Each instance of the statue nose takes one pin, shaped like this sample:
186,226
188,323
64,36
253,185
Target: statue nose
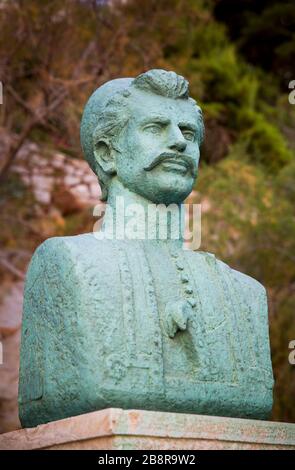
177,141
178,145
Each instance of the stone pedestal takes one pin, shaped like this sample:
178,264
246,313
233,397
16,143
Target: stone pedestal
117,429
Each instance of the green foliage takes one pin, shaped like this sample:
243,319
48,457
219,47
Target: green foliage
263,31
265,143
285,183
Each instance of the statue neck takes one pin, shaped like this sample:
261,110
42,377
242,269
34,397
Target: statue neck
133,217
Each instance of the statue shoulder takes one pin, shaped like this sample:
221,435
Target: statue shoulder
60,245
71,246
248,282
243,283
244,280
246,285
67,257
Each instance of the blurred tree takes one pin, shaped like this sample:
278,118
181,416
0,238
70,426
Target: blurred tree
264,31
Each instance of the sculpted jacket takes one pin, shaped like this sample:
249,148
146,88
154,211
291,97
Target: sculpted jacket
139,324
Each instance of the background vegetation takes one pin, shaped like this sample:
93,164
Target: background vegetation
239,58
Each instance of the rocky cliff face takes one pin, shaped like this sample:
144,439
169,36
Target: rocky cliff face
56,179
10,326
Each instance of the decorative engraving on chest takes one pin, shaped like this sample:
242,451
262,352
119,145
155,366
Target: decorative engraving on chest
166,334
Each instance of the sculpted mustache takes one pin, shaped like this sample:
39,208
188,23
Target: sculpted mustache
183,158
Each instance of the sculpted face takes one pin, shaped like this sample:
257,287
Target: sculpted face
159,148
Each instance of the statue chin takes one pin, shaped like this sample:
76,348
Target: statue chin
165,188
170,197
171,192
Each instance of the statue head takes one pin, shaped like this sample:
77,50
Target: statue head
145,132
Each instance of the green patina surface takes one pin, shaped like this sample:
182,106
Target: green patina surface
141,323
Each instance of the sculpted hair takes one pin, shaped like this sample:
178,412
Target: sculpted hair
163,83
115,115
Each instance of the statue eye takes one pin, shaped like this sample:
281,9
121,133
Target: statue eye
153,128
188,134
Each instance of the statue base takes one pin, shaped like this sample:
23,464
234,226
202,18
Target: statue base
117,429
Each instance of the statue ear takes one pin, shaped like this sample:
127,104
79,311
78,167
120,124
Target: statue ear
104,156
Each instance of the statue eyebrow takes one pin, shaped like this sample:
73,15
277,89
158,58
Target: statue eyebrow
188,125
161,119
156,118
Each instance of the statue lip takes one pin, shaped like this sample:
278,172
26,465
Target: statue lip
172,164
173,161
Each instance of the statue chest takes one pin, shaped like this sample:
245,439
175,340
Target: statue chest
177,320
